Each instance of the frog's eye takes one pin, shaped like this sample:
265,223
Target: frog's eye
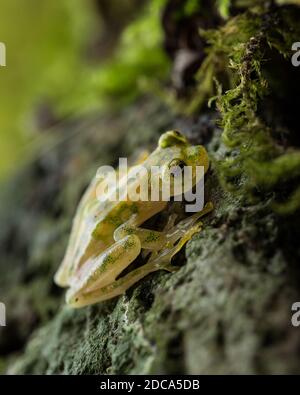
176,164
173,169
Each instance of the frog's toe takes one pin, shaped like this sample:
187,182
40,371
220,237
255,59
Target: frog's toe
72,298
169,267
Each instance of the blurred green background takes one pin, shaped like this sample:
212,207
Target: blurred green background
61,63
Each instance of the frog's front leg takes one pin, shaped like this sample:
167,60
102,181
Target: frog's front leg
156,241
103,270
177,236
150,239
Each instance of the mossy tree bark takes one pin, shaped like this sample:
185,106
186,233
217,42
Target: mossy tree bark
228,308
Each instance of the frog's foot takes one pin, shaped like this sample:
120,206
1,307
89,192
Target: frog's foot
162,259
168,267
103,270
177,237
179,230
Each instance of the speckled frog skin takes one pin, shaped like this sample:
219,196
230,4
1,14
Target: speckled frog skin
107,237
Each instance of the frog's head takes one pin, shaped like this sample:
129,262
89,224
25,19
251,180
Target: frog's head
177,152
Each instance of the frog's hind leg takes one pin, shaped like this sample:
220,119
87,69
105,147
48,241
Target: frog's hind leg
104,269
176,236
118,287
158,260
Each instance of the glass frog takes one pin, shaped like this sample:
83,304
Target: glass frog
107,236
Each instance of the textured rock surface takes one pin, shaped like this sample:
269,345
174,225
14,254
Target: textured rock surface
227,310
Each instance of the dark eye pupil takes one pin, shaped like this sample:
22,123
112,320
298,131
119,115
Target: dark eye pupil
178,163
176,168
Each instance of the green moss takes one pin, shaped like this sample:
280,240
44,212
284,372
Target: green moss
254,159
205,318
224,5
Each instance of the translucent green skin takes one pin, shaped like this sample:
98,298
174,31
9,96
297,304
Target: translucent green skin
106,236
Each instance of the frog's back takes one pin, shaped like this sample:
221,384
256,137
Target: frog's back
89,215
95,221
